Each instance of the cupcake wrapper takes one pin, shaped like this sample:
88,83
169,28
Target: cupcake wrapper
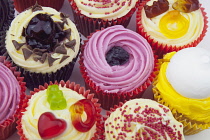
87,25
7,128
190,126
70,85
21,5
8,16
108,100
33,80
160,48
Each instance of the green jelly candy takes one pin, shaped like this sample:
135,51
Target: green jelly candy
55,98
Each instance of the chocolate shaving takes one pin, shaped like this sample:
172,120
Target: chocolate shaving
71,44
17,45
63,15
60,25
36,7
68,33
26,53
64,58
64,21
36,58
38,51
29,47
23,32
43,58
61,49
51,60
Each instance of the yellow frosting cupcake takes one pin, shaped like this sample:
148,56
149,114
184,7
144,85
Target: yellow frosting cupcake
182,85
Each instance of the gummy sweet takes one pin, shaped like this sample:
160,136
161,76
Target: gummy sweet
173,25
77,110
49,126
157,8
186,6
55,98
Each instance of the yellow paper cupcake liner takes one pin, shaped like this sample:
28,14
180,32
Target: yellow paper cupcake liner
190,126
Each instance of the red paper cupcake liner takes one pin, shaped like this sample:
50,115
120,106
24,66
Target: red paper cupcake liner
108,100
87,25
7,128
161,48
21,5
71,85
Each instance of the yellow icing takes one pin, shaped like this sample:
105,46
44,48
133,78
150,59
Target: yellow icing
195,109
173,24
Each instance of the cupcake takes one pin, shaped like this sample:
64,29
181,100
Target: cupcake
142,119
116,64
6,14
182,84
44,44
59,111
21,5
12,91
90,16
171,25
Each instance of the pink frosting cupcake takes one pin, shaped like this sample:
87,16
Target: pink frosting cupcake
12,90
117,65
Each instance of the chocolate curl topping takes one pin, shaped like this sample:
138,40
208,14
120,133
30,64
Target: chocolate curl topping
51,60
38,51
68,33
43,58
63,58
63,15
157,8
71,44
27,53
61,49
17,45
36,7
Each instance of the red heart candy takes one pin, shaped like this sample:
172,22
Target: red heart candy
49,126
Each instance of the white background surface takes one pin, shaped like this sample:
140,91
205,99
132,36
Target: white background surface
76,76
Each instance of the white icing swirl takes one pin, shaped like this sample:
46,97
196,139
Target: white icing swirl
38,104
195,18
105,9
189,72
15,33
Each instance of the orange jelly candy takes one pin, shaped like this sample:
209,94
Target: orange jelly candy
77,110
186,6
173,24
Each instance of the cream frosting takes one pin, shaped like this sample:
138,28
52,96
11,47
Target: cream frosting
142,119
120,78
15,33
105,9
188,72
38,104
9,93
196,25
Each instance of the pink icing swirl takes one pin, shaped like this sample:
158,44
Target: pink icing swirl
121,78
9,93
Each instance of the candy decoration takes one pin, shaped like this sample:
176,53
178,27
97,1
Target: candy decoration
77,110
49,126
173,25
186,6
55,98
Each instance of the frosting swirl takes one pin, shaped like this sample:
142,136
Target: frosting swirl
120,78
105,9
38,104
193,29
143,119
15,36
9,93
